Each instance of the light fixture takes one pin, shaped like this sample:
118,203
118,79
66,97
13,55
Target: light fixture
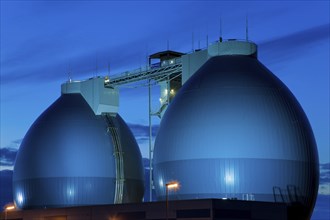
170,185
10,207
106,80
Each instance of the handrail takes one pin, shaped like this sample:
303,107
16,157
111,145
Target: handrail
142,74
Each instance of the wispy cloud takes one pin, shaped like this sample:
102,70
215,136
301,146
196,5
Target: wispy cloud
16,142
324,185
71,37
7,156
8,153
325,166
295,44
141,132
56,67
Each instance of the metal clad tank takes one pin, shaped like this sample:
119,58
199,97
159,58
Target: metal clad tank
71,156
234,130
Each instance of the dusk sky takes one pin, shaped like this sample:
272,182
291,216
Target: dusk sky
42,40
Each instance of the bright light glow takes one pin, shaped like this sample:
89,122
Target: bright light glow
10,207
171,61
70,192
229,179
165,92
106,80
172,92
161,183
172,185
113,218
20,198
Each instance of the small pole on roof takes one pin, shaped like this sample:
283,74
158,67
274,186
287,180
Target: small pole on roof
69,73
192,39
199,40
246,28
207,35
147,57
220,30
96,66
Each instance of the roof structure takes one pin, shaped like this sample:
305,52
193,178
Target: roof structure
165,55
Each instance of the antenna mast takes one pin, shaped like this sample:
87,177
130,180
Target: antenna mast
207,35
96,68
246,28
220,30
192,38
199,42
69,73
147,57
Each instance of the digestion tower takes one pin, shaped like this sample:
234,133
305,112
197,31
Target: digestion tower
234,130
79,152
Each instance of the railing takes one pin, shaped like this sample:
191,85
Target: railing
148,72
157,70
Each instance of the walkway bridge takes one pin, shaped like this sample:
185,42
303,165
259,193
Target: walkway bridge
157,72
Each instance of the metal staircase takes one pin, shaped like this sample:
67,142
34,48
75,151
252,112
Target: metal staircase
119,160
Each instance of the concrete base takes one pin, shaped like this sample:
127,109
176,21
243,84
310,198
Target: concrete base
204,209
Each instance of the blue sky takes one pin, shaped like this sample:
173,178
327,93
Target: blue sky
40,40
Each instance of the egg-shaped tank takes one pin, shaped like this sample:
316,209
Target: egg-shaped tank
72,157
234,130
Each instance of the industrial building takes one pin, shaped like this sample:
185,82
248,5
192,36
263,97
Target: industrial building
204,209
232,136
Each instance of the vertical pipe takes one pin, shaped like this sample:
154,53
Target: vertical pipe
150,145
166,201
